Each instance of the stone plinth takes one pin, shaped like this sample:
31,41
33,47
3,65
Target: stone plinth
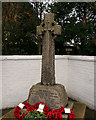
54,96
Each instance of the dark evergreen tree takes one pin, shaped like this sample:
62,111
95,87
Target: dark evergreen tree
19,28
78,26
20,21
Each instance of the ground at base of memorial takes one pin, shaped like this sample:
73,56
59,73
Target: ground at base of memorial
90,114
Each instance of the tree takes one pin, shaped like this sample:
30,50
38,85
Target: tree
77,21
19,28
78,27
40,7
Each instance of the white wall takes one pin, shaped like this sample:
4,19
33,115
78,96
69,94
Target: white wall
81,79
19,73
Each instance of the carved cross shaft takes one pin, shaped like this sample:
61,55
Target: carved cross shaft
48,30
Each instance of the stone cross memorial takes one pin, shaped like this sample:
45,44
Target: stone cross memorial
54,95
48,30
47,91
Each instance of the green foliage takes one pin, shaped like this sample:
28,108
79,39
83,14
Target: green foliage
19,29
78,27
20,21
36,115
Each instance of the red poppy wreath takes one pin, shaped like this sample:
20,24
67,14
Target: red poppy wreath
41,111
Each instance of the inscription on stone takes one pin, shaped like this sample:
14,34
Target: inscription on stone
45,96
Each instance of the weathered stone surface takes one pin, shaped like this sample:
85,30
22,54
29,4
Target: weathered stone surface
48,30
54,96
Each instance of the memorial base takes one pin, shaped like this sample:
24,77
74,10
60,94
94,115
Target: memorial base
54,96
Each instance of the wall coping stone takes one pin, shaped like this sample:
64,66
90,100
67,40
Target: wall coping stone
39,57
